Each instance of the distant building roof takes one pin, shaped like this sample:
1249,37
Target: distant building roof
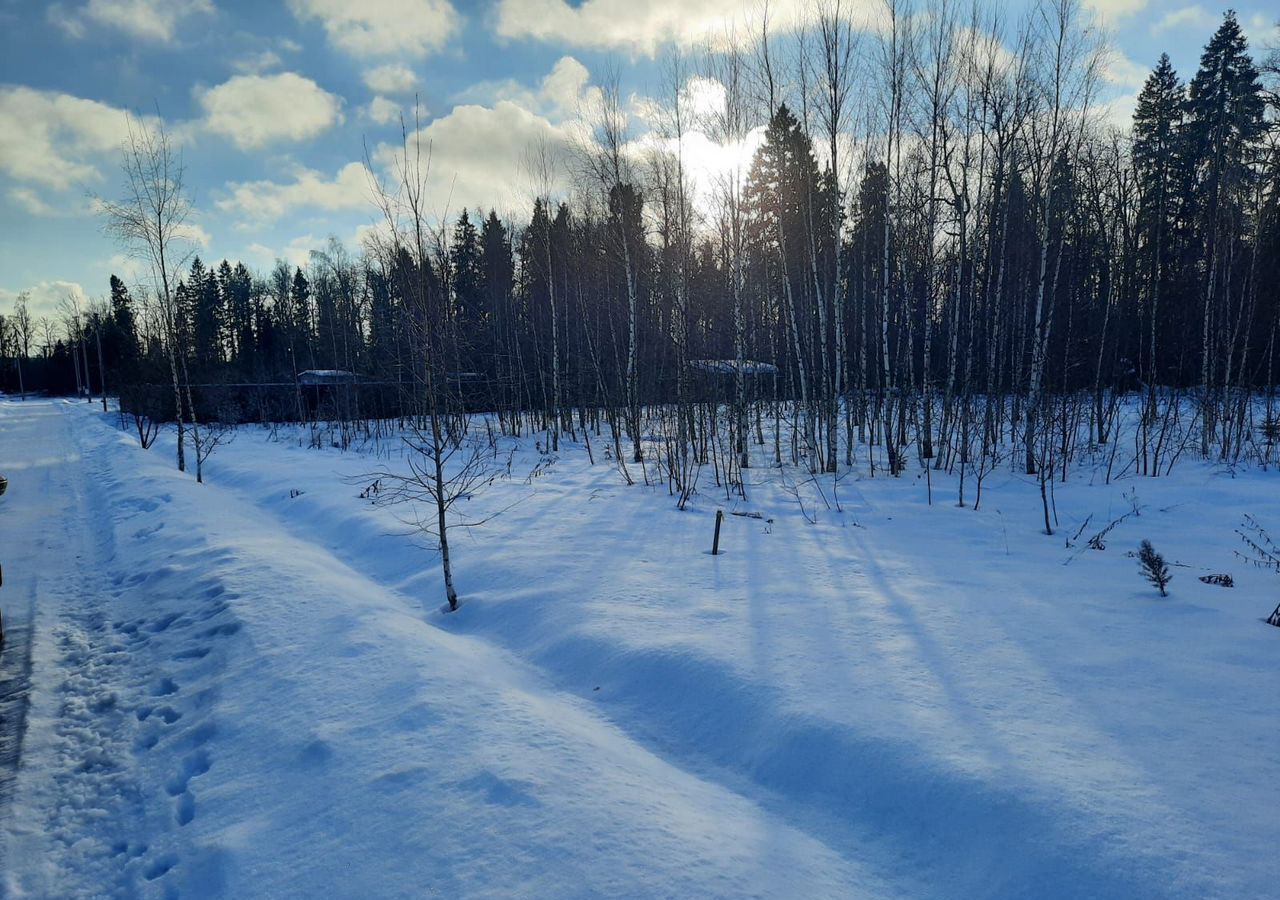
326,376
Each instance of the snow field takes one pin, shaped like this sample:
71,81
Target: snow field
899,700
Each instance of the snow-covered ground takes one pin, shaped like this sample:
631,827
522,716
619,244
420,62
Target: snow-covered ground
248,687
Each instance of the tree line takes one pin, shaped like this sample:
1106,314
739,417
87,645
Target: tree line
939,248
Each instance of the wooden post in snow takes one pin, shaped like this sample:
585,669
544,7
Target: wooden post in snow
715,544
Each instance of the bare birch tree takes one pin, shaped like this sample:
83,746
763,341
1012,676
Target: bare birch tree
445,466
148,221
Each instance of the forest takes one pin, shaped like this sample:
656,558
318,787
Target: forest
941,246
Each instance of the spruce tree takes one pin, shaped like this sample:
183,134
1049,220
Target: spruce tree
239,297
1157,154
1154,568
497,276
464,257
1224,124
299,324
120,335
1224,113
208,319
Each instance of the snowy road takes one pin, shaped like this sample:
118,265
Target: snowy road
246,689
44,518
239,713
26,522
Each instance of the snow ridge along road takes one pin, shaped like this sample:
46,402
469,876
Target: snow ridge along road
246,688
21,512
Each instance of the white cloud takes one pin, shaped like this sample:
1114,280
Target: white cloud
565,85
1195,16
487,93
45,298
54,139
641,27
193,233
479,151
255,110
32,202
370,235
1118,112
1124,72
265,201
383,28
296,253
1263,30
131,269
383,111
153,20
706,161
562,93
257,63
479,154
1111,10
978,48
393,78
703,98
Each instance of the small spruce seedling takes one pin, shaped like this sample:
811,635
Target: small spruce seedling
1153,567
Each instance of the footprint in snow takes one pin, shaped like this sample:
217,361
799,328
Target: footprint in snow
164,687
160,867
193,766
185,809
164,622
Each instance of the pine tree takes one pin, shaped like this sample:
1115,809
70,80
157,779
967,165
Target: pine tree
1153,567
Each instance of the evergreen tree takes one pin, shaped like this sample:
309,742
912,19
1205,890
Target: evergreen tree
186,306
1224,123
382,324
299,322
497,274
237,292
464,257
788,224
1224,116
120,334
864,274
207,332
1153,567
1157,157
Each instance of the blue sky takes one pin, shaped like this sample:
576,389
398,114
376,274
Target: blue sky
274,102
